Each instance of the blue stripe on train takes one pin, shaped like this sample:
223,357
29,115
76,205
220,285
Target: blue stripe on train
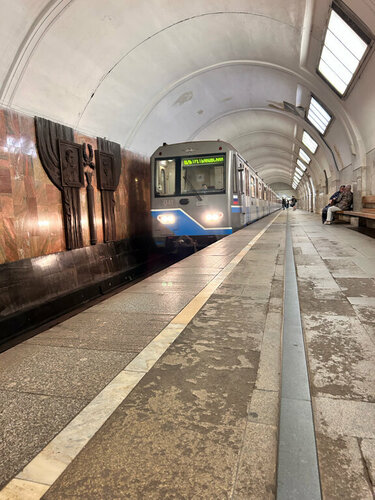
184,225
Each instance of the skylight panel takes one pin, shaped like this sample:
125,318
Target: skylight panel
300,172
306,158
301,165
318,116
347,35
309,142
342,53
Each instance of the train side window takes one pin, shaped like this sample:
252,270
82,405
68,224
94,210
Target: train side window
247,182
252,180
234,170
165,178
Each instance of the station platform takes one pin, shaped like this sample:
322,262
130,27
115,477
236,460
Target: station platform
245,371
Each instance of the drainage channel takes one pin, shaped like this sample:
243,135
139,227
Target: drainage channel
298,472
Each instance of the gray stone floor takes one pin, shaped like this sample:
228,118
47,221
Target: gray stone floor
47,380
203,422
204,419
335,269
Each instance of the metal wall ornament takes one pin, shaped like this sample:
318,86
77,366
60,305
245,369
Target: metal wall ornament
88,162
108,167
105,171
62,165
71,164
64,162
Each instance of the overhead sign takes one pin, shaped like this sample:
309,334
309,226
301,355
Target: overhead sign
209,160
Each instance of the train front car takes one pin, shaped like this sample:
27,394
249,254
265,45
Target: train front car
189,194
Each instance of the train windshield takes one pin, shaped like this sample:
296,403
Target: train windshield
165,184
203,174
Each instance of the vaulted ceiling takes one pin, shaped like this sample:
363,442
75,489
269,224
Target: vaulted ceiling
144,72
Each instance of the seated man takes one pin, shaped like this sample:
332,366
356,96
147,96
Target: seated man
343,202
332,201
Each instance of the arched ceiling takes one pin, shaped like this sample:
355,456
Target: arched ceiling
143,72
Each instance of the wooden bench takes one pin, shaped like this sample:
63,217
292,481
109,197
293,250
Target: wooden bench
367,211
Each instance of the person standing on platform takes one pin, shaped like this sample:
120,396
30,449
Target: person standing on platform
332,201
283,203
293,202
343,202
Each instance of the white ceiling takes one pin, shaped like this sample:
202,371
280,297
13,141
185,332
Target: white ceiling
143,72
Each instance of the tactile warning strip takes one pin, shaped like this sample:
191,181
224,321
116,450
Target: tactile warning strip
298,473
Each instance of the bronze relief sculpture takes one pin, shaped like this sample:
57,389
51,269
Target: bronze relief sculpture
64,162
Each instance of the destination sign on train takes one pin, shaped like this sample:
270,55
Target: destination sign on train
203,161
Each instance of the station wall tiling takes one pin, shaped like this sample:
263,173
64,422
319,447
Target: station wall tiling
31,220
39,278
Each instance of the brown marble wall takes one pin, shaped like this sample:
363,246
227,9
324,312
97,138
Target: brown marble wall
30,206
31,221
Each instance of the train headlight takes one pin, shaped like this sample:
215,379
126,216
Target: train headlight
213,216
166,218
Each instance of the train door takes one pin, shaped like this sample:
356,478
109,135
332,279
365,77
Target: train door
247,194
236,195
261,196
242,192
252,198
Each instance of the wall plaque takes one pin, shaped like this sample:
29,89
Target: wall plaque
105,169
71,164
108,167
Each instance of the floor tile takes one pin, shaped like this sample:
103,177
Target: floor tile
59,371
28,422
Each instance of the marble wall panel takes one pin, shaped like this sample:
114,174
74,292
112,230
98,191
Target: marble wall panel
31,218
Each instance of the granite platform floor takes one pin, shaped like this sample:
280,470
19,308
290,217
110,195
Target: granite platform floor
60,376
336,285
170,389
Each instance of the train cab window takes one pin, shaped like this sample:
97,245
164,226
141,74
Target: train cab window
203,174
252,181
165,178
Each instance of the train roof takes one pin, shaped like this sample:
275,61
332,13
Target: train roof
190,145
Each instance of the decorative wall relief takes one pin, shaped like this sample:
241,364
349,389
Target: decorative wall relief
108,167
62,160
87,161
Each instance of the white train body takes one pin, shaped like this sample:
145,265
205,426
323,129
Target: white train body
202,191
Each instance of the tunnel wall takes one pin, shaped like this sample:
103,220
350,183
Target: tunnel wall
31,207
39,278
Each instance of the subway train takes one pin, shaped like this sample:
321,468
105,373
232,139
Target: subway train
202,191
